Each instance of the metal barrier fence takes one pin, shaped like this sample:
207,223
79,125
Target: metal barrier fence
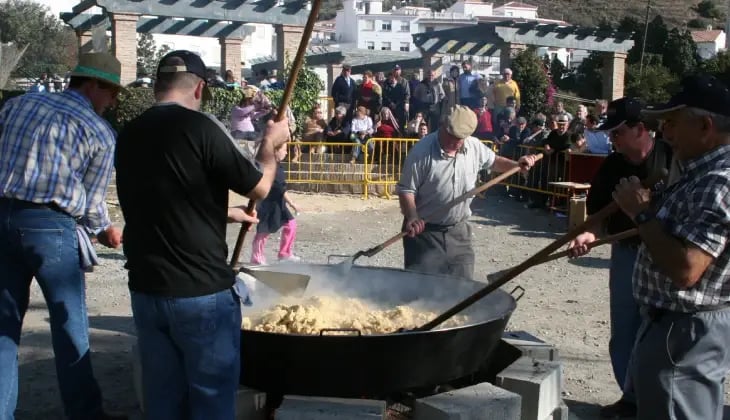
376,165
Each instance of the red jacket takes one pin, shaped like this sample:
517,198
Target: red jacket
484,121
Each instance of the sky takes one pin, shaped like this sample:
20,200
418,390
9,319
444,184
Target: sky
58,6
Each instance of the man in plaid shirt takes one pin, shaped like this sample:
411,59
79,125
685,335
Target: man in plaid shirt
681,277
56,157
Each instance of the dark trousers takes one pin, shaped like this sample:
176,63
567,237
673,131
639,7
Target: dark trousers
679,364
441,250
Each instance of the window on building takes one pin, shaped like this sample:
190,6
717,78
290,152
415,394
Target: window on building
429,29
385,46
405,46
368,25
387,25
405,26
370,45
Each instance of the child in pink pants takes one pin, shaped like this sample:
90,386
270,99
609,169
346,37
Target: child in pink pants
273,214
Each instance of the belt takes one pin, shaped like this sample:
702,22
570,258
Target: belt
433,227
656,314
29,204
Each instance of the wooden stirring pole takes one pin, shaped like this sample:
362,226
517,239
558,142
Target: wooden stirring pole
471,193
593,220
286,98
603,241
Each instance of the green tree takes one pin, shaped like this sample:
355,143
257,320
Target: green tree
305,95
52,47
708,9
697,23
148,54
680,53
558,73
654,86
588,78
530,75
718,66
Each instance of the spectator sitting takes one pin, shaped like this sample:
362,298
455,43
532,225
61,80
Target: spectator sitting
337,129
597,142
422,130
314,130
361,129
387,126
243,115
412,128
577,142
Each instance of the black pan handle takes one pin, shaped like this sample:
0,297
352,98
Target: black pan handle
340,330
521,292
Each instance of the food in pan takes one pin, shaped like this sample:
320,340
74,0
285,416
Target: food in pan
314,314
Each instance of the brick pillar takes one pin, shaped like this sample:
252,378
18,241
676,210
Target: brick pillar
507,53
124,44
613,72
333,70
231,56
84,41
287,41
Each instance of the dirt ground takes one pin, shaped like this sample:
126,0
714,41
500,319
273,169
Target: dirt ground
566,302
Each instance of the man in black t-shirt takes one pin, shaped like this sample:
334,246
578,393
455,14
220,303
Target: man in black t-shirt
637,154
175,166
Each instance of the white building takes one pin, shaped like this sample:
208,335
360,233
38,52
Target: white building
709,42
364,23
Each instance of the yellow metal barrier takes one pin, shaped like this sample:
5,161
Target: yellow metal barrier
385,157
553,167
324,167
329,167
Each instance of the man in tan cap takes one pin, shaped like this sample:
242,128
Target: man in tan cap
55,165
441,167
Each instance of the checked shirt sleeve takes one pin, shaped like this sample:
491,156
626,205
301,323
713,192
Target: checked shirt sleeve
708,223
96,180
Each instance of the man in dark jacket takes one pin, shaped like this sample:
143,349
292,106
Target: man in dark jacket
396,94
343,88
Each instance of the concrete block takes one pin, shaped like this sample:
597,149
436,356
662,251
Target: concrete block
560,413
532,346
483,401
320,408
538,382
250,404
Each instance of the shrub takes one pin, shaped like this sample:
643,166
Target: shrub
135,101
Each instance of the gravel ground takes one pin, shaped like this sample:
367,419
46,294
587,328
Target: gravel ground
566,302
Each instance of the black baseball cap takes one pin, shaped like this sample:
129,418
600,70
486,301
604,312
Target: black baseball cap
697,91
183,61
620,112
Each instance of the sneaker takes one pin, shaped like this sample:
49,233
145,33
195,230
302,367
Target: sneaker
291,258
621,409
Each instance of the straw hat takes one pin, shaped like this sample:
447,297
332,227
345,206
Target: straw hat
100,66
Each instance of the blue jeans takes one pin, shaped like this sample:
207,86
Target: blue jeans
36,241
356,150
625,316
190,354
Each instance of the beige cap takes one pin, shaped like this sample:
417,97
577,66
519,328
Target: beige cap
461,122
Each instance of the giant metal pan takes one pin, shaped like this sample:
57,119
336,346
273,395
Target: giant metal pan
356,365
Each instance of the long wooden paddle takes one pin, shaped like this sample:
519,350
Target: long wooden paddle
592,220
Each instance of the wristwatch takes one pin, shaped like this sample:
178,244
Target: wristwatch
643,217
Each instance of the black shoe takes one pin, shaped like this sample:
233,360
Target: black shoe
621,409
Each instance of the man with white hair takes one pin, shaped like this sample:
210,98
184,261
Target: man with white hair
682,274
503,90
